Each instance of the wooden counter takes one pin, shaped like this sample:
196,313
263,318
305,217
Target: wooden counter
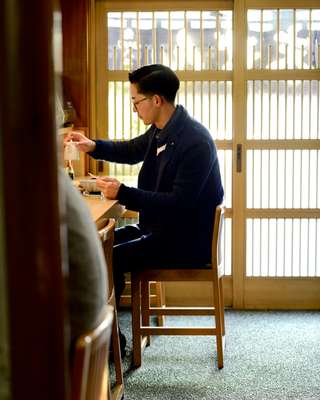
100,207
103,208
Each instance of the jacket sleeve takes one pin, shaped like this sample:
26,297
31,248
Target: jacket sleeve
193,169
123,152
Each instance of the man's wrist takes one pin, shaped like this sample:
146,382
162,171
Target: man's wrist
92,146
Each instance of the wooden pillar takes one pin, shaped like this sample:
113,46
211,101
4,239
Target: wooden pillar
31,225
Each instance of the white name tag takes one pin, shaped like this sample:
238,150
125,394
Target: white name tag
160,149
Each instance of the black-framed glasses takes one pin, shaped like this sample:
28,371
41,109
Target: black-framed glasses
138,102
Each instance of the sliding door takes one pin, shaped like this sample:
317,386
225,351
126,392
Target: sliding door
281,156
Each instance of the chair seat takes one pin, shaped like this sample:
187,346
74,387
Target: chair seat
181,274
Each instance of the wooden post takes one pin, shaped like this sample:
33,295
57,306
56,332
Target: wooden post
31,224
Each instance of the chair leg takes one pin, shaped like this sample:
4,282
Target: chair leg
218,322
222,306
116,349
136,307
160,301
109,389
145,306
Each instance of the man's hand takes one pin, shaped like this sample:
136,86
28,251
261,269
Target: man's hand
83,143
109,187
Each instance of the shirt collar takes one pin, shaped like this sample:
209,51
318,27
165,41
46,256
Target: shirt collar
163,134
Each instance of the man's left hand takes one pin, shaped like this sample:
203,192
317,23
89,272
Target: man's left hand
109,187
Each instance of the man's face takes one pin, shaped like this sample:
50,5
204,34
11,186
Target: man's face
144,106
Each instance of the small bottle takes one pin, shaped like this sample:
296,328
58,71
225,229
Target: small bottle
70,170
69,114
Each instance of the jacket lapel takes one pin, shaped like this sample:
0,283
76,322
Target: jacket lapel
174,130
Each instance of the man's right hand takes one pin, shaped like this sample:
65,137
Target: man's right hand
83,143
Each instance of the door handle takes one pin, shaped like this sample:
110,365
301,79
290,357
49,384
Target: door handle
239,157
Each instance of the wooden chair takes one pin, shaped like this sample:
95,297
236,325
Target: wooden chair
90,362
106,232
141,309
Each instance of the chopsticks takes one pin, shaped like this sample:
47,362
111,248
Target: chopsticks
92,175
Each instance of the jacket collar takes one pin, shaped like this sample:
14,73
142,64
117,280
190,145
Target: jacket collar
174,126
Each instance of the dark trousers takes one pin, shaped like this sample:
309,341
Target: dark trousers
134,249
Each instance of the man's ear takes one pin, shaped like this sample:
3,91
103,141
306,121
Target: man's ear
158,100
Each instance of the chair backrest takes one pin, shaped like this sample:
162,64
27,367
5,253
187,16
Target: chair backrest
216,252
106,232
90,361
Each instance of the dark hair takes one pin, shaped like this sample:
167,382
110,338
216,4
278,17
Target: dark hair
156,79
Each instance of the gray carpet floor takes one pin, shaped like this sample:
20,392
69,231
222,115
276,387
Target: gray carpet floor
268,355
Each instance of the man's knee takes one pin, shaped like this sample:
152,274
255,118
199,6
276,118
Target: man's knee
126,233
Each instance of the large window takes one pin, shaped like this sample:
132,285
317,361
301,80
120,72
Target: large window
283,39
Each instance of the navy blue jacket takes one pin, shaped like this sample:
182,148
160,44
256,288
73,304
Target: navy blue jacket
178,189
